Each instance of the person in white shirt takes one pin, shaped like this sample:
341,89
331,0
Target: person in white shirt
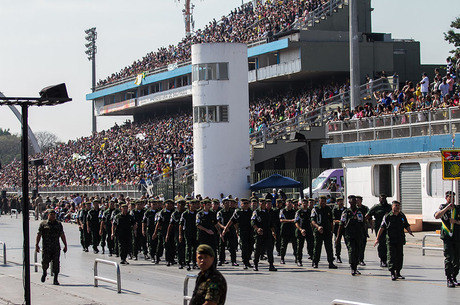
424,84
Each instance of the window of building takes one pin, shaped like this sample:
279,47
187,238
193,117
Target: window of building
437,186
212,71
383,177
210,114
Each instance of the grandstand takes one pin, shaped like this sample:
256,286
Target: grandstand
298,70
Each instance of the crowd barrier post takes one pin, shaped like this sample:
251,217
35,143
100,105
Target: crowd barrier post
37,264
99,278
15,211
424,248
186,296
4,251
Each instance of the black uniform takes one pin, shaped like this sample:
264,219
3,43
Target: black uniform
287,232
178,246
261,219
139,240
323,217
163,218
188,223
378,211
336,215
364,209
396,239
116,249
207,220
243,219
50,231
124,227
353,223
230,238
302,217
94,226
85,237
107,231
149,221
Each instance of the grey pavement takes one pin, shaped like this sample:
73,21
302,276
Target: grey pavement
145,283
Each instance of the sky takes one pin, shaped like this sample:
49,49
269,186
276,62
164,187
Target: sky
42,43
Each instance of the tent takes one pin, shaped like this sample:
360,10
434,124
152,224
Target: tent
276,181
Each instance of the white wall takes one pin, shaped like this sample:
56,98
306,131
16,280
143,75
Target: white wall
221,150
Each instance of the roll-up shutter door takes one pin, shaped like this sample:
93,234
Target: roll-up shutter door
410,188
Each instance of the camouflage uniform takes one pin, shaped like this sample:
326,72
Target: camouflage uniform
50,231
210,286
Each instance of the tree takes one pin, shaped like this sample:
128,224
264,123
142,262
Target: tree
46,140
10,147
453,37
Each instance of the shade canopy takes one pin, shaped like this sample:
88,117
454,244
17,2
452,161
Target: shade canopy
275,181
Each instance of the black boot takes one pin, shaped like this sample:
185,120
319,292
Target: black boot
393,275
103,250
450,283
282,260
43,276
339,260
55,282
272,268
256,267
399,276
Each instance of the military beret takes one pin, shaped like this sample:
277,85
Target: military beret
169,201
205,249
263,200
351,196
254,200
124,205
340,198
97,200
383,195
217,200
88,202
396,202
182,201
139,201
244,199
204,201
311,200
49,211
322,197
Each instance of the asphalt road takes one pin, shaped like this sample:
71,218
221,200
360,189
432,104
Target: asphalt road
145,283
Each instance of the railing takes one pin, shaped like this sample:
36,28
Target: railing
14,211
424,247
280,69
4,252
318,116
318,14
186,296
406,125
344,302
103,279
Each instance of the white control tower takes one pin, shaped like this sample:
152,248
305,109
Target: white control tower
220,119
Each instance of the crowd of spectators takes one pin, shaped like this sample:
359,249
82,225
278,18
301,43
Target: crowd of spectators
121,155
441,92
246,23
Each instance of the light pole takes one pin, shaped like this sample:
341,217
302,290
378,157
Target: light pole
91,49
49,96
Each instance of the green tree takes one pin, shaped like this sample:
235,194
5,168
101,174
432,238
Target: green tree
453,37
10,147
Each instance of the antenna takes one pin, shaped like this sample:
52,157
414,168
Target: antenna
188,17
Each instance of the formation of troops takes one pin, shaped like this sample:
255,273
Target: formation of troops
172,231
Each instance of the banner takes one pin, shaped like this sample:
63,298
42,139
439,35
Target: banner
450,163
139,78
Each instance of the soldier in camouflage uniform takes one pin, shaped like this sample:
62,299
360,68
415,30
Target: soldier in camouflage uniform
93,224
210,286
115,212
50,230
148,228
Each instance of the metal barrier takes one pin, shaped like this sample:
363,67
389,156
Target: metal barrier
344,302
4,252
15,212
32,213
37,264
100,278
186,296
429,248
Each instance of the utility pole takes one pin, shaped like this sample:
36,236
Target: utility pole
91,49
188,17
354,54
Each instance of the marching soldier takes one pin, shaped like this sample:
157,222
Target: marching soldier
106,228
115,212
123,226
188,231
242,220
139,241
275,215
206,224
364,209
93,225
352,225
173,232
264,234
321,220
161,230
85,237
148,228
449,213
395,222
229,239
337,215
50,230
303,230
287,232
375,215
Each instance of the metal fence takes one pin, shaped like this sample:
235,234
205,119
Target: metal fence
186,296
411,124
4,251
424,247
103,279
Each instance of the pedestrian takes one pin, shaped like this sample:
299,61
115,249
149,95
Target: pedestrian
123,226
375,215
321,220
210,286
351,226
449,213
51,231
264,234
394,222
